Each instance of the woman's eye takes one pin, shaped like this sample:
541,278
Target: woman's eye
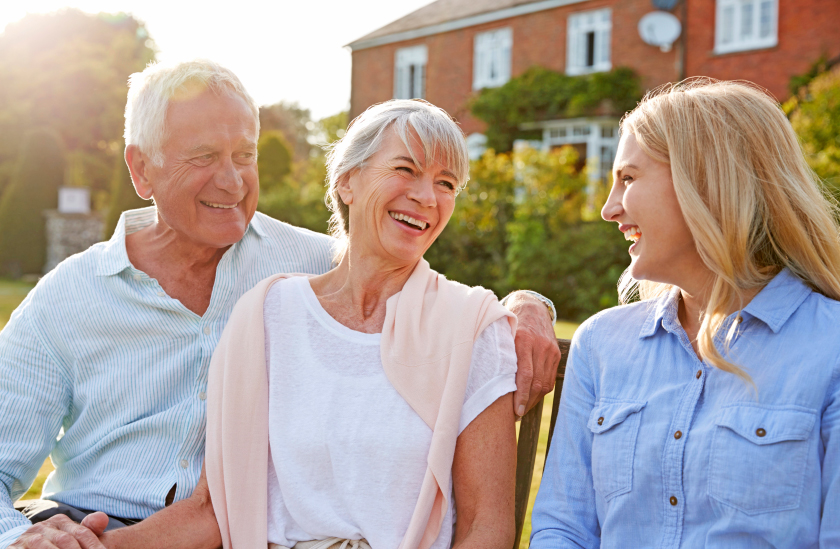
627,179
447,184
405,169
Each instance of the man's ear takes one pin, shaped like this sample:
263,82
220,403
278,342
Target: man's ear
138,165
345,186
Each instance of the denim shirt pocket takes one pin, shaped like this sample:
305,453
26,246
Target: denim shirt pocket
759,455
615,426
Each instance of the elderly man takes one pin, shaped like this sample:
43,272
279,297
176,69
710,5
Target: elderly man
104,365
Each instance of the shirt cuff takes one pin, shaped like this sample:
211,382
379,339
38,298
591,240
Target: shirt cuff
545,301
10,536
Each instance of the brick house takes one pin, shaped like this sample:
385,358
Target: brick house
449,49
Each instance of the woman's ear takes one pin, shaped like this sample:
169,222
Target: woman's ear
345,186
138,165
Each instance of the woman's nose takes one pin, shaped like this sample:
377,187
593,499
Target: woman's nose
423,191
612,207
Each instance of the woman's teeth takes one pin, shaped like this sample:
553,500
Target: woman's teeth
410,220
223,206
633,233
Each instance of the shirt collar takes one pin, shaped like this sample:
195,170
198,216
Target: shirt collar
773,305
114,258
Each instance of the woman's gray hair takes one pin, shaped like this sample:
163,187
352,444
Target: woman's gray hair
438,135
150,91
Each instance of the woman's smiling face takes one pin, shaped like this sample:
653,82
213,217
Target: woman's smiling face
398,207
644,204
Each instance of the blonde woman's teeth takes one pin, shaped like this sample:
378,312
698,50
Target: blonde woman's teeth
633,233
410,220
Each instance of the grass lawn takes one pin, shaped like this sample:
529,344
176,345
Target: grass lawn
12,293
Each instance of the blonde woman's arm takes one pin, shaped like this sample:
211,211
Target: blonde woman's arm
483,476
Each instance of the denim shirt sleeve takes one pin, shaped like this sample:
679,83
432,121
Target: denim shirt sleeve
34,402
830,434
564,511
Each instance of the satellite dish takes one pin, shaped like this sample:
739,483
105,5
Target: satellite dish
659,28
666,5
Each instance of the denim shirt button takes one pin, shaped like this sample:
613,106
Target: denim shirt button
699,373
678,435
673,500
760,432
600,420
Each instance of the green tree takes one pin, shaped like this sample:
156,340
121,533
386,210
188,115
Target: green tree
274,159
815,115
294,122
33,189
520,224
123,196
68,71
542,94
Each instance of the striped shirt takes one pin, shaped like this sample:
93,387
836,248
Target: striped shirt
105,372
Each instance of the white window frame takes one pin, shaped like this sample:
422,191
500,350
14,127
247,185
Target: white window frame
600,135
740,25
492,58
595,25
410,72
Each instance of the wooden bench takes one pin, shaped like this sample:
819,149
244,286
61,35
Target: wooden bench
526,447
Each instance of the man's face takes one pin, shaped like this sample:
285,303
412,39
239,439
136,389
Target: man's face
208,186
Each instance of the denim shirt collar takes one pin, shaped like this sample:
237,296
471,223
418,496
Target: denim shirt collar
773,305
114,258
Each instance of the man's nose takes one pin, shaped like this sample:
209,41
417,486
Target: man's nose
612,207
228,177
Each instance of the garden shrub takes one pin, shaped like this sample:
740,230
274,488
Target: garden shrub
33,188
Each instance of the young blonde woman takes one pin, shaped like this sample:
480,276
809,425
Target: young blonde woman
708,414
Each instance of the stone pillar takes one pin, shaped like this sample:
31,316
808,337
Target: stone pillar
70,233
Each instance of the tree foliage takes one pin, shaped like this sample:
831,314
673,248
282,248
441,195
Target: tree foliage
68,71
542,94
33,189
274,159
520,224
294,122
815,115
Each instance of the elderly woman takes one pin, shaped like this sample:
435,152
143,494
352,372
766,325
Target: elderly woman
366,406
708,415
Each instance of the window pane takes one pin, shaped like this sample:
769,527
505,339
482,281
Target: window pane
766,20
590,49
727,24
746,19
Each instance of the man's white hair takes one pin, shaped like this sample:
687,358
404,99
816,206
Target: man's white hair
150,91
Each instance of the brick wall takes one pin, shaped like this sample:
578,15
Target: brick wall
538,39
807,29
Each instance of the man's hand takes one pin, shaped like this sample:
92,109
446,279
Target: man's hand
537,354
59,532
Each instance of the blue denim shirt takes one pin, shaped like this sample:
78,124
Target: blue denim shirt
654,448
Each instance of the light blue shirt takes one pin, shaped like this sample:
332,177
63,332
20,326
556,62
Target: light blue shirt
99,356
654,448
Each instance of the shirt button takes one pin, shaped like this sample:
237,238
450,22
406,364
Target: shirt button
699,373
600,421
185,464
202,395
678,435
207,330
161,294
673,500
137,277
740,319
760,432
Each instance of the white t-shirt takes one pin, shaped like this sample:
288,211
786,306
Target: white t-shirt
347,453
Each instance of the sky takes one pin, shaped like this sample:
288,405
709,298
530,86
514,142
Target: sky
281,50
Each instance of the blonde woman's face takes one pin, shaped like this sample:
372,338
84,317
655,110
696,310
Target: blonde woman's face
644,204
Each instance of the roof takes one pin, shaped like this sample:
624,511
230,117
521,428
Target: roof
446,15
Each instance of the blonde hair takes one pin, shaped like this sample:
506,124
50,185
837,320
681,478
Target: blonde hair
438,135
750,200
150,91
